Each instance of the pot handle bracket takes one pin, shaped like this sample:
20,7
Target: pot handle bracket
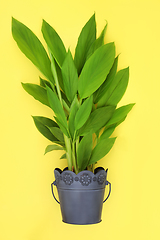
109,190
54,183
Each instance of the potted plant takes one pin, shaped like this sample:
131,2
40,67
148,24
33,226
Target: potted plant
83,93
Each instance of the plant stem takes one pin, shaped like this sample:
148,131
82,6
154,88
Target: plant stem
74,158
68,152
66,139
77,144
53,69
91,167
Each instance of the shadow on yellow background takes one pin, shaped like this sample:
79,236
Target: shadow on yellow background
27,209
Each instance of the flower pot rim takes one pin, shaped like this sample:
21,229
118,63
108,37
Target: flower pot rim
85,179
96,170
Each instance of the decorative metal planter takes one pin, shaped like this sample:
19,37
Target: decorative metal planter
81,196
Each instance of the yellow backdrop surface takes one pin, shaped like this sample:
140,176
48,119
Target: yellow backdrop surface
27,208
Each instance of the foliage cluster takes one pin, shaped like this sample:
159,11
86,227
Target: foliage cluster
83,92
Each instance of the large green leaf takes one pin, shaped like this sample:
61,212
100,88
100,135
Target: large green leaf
70,77
107,132
59,74
64,129
85,40
73,110
56,131
97,120
30,45
97,43
57,83
101,149
96,69
84,151
83,113
116,89
56,71
54,43
56,107
120,114
46,121
101,91
65,99
43,129
38,92
50,148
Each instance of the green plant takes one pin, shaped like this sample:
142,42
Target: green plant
83,92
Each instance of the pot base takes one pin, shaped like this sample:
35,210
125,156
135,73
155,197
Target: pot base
82,223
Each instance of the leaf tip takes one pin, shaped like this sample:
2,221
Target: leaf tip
106,23
34,118
133,104
43,22
13,20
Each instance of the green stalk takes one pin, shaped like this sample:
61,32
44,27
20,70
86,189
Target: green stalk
53,69
91,167
68,152
77,144
66,139
74,158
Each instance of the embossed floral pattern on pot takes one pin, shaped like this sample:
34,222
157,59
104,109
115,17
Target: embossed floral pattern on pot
85,179
68,179
101,179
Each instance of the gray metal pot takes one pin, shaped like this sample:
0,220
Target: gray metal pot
81,196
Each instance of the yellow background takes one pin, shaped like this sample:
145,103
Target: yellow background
27,208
